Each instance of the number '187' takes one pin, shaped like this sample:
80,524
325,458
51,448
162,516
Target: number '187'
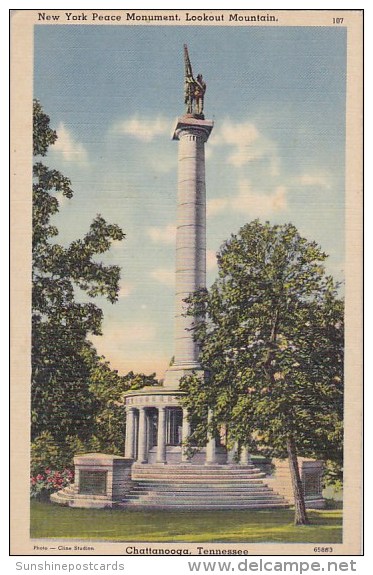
337,20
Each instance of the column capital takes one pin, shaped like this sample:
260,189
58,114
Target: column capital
190,125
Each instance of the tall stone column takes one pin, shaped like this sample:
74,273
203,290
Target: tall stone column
129,449
142,456
161,438
192,133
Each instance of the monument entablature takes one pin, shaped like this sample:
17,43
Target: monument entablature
158,398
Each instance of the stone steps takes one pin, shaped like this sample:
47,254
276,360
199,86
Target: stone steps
212,507
216,481
199,506
223,497
204,471
69,488
189,469
196,473
190,487
201,487
64,496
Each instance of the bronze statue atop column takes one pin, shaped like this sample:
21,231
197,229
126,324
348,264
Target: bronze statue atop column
194,89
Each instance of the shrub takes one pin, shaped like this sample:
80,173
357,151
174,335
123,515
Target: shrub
43,484
48,453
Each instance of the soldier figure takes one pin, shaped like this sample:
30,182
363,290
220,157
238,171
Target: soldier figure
194,90
199,93
189,94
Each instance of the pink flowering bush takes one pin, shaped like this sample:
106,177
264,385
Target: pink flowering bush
43,484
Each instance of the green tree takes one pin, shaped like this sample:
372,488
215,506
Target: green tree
61,401
271,340
108,389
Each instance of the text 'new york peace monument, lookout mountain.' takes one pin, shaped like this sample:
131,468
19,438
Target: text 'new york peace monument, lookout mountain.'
157,471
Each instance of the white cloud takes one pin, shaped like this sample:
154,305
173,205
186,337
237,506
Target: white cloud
242,138
144,130
250,202
315,180
258,204
71,149
164,276
247,145
162,235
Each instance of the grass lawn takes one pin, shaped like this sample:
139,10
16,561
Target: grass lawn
49,520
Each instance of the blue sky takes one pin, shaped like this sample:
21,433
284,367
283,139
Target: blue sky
277,97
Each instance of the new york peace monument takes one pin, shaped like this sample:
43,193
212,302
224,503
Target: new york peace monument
157,471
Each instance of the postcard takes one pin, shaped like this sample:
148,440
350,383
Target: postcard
186,276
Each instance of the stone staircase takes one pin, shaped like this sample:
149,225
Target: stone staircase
65,496
200,487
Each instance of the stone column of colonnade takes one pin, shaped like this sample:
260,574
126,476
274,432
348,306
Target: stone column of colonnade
141,438
185,434
129,449
161,438
142,452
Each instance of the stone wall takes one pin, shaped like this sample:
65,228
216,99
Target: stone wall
280,481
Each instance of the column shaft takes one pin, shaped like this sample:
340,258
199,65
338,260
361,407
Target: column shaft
142,456
232,453
129,450
185,434
245,457
211,445
192,134
190,239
